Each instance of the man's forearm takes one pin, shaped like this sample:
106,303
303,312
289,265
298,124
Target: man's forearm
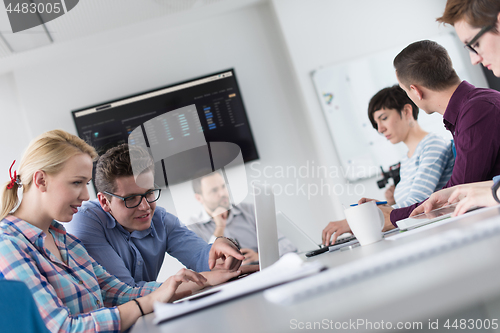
402,213
219,231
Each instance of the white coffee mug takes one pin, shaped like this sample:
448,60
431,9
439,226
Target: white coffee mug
366,222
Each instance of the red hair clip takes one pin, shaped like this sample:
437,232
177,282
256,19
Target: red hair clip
12,179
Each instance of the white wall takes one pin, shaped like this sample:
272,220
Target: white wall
15,134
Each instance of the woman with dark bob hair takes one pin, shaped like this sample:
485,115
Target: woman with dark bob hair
428,164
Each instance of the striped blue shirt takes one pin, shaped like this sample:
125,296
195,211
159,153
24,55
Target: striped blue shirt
425,172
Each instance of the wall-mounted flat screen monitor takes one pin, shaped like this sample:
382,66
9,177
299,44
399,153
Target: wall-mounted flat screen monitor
218,101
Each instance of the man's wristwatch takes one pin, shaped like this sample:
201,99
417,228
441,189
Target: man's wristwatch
235,243
494,190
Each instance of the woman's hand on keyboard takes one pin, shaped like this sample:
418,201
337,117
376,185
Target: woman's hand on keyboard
333,230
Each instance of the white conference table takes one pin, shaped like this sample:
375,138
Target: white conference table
460,283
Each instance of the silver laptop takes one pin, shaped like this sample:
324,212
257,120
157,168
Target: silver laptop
267,235
306,244
295,234
265,221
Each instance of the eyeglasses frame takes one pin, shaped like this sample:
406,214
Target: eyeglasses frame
143,196
481,32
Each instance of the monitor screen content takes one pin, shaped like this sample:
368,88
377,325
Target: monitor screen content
219,105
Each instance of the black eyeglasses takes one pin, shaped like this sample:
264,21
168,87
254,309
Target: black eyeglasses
135,200
470,45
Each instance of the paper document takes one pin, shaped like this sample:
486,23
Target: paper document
290,267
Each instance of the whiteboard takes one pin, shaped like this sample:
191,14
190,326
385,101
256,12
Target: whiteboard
344,91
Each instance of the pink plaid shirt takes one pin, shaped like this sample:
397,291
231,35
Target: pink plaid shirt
73,295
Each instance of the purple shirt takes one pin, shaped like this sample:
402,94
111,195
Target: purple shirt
473,118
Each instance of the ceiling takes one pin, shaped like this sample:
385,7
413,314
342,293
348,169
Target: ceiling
94,16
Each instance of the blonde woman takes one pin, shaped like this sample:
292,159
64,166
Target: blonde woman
73,292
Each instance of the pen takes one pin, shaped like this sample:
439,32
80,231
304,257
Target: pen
378,203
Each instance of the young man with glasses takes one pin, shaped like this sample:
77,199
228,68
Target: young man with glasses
128,234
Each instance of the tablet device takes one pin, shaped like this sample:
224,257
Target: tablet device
426,218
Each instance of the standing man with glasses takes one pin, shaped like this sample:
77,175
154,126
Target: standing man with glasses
128,234
477,23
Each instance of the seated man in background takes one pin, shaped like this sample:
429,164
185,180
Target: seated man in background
472,115
125,232
220,218
428,164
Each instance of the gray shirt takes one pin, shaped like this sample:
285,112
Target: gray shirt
240,225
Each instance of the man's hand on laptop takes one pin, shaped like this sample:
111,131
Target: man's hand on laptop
227,252
219,276
250,256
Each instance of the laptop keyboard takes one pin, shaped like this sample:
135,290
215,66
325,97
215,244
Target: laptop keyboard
344,240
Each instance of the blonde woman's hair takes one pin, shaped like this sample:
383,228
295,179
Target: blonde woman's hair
48,153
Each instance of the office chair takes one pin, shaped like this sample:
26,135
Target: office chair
18,310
